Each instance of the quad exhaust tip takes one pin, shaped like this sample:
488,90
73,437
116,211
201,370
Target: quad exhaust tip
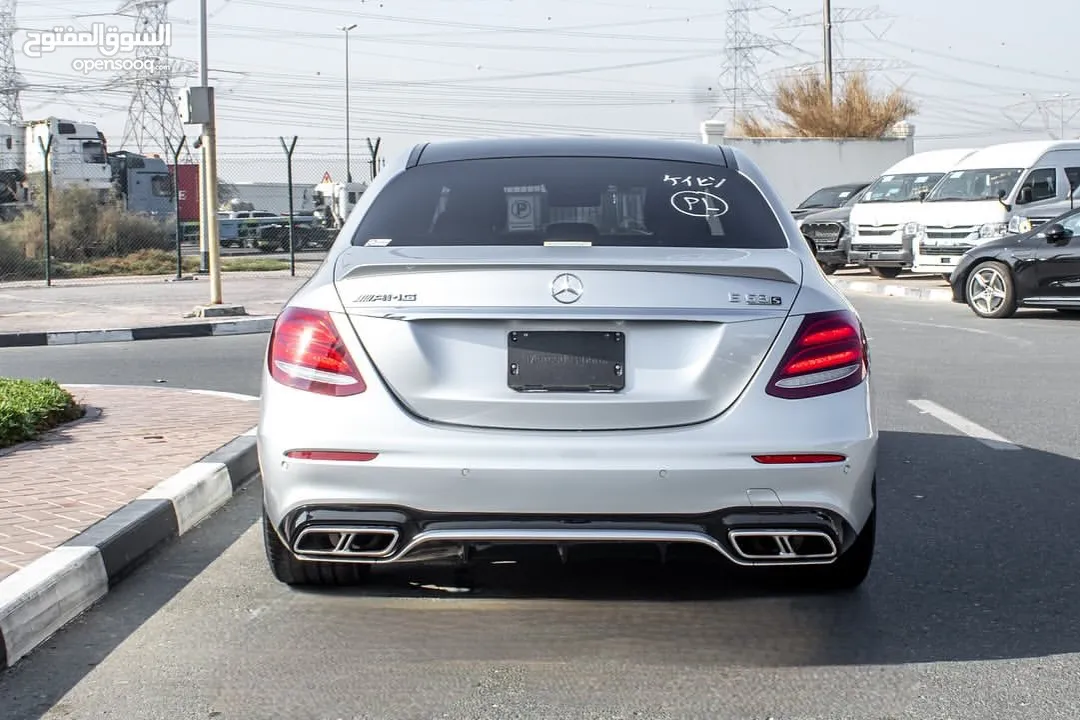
360,542
783,545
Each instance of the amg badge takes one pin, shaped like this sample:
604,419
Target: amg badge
755,299
411,297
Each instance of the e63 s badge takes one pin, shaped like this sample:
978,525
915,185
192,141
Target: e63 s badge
755,299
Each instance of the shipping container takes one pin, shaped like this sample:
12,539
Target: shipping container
187,182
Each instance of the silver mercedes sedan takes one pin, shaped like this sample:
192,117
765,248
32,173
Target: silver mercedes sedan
568,341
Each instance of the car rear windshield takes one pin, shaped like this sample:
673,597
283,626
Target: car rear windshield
544,200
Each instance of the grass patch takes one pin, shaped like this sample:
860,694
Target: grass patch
253,264
30,407
144,262
160,262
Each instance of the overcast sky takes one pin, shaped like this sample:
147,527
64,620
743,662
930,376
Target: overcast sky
982,71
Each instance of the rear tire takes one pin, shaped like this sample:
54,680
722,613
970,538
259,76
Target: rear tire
830,269
291,571
886,273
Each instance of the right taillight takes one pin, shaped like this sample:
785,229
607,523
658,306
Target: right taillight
827,355
307,353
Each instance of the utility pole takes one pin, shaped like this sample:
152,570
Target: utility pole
209,167
348,154
827,28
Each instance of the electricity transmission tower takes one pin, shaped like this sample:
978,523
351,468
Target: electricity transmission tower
10,82
831,20
741,86
153,123
1057,113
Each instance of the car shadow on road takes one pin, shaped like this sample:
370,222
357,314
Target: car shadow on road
974,562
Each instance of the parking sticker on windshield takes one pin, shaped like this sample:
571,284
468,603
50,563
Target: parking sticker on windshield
698,203
378,242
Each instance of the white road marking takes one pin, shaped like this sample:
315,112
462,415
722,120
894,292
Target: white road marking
230,395
969,428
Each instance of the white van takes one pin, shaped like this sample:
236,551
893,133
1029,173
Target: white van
976,200
883,227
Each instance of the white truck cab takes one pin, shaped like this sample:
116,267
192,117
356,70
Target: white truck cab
976,201
883,223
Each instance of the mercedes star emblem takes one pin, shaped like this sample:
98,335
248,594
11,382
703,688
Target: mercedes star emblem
567,288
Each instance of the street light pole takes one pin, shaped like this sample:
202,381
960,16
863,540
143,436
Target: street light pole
208,202
348,154
204,222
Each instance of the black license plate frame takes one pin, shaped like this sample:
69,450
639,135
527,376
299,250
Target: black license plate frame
566,361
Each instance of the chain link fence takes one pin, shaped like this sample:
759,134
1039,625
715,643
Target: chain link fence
146,221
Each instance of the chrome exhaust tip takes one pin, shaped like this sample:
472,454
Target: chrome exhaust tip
783,545
346,542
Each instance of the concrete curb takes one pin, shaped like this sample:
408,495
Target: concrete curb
246,326
41,598
865,287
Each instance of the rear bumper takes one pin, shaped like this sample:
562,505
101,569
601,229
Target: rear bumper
745,536
682,472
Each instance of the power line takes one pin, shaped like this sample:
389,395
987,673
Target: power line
833,59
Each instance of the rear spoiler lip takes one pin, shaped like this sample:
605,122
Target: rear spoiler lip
603,314
754,271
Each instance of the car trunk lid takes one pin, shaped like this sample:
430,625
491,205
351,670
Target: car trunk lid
660,337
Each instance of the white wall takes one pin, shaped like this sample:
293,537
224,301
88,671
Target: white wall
798,166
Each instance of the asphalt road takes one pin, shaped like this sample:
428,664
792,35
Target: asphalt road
968,612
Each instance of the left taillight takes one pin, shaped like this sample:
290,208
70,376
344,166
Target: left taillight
307,353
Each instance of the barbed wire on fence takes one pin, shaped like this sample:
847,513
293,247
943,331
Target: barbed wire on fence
132,225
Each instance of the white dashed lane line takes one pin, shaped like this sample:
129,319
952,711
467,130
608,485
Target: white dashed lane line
962,424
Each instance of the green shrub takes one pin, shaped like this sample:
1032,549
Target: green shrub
30,407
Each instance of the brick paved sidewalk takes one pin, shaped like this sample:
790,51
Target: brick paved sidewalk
53,489
66,308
